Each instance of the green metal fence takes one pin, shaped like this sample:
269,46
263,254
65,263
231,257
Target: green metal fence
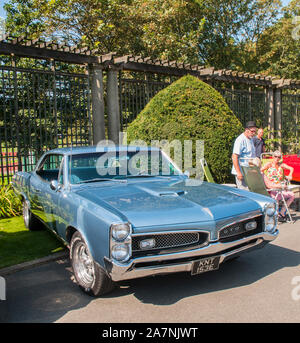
290,122
247,105
134,95
40,110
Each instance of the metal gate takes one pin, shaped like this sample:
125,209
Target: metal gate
134,96
40,110
290,122
247,105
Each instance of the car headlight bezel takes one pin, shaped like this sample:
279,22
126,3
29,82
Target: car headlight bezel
120,231
270,211
120,252
120,242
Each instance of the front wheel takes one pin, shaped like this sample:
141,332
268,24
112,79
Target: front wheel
89,276
30,221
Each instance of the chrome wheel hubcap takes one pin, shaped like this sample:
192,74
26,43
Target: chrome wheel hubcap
83,265
26,213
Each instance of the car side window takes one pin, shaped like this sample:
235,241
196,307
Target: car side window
50,168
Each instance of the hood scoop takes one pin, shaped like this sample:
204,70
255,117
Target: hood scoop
161,192
171,193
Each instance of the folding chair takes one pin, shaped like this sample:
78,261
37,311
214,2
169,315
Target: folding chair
208,176
256,184
206,170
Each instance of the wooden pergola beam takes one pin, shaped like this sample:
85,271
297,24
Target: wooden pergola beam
157,68
44,53
35,48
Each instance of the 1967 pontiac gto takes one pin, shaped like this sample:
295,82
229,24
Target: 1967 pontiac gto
129,212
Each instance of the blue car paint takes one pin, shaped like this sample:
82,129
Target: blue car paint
149,204
144,203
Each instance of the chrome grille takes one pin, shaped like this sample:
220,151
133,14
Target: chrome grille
170,240
237,230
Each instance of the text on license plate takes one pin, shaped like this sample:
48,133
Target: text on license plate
205,265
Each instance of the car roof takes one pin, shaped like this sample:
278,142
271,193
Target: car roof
99,148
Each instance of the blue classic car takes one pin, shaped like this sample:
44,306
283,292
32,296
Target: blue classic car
129,212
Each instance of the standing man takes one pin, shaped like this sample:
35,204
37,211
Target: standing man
259,142
243,149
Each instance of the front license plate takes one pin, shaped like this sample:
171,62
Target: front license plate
205,265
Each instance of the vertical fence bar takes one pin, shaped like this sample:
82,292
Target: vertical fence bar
52,90
278,115
16,113
29,127
87,91
72,108
74,91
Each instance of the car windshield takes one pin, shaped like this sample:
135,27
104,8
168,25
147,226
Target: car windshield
119,165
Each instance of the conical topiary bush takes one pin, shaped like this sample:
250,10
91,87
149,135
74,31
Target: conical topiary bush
190,109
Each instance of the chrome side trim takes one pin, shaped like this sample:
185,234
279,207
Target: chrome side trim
168,232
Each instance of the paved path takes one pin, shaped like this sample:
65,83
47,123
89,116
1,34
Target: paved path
255,288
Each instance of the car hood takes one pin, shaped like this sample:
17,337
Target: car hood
167,203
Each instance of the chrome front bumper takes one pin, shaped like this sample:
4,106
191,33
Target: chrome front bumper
183,261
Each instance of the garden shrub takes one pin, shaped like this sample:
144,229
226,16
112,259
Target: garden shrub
190,109
10,204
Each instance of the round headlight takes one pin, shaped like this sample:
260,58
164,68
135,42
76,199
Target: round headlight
120,231
270,223
120,252
270,210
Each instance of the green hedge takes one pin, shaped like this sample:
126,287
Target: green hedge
190,109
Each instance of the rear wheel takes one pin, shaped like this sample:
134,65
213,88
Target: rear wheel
30,221
90,277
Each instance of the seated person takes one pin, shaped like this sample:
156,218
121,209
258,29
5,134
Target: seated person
274,179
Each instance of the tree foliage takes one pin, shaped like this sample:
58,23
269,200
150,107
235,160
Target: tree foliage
247,35
278,48
165,29
231,26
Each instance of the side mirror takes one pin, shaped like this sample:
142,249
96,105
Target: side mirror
187,173
54,185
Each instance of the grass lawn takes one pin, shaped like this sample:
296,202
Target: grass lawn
18,244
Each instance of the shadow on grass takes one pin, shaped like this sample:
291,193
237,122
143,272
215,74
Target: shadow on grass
18,244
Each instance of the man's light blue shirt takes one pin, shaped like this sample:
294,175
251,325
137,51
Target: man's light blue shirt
243,147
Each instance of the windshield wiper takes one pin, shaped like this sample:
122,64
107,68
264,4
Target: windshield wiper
99,180
123,179
146,175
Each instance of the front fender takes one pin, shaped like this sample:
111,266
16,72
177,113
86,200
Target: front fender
93,223
95,232
262,200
